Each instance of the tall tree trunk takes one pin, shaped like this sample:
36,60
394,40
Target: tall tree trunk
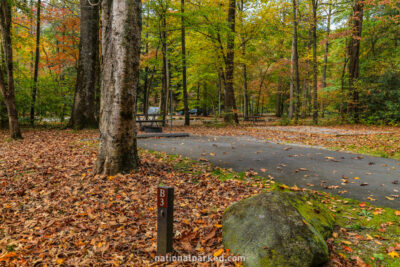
296,62
354,56
291,90
148,82
184,79
84,108
165,68
279,99
244,69
146,69
3,107
230,103
198,96
315,62
37,57
7,88
278,104
219,93
305,107
204,107
263,74
121,29
245,91
32,33
3,115
342,92
326,52
145,92
307,88
262,105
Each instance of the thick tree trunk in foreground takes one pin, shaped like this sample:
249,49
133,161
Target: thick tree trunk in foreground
7,88
84,109
121,28
354,55
184,79
37,57
230,103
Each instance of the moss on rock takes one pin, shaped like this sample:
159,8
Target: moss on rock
278,229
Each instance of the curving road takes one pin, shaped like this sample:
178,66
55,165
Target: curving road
350,175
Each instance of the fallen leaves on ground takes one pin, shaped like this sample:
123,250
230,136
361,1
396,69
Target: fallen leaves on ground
55,210
367,233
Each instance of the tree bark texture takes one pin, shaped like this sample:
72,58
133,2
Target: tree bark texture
315,62
84,108
244,69
165,67
230,103
7,86
121,29
354,55
291,90
184,75
326,52
342,91
37,58
296,61
219,93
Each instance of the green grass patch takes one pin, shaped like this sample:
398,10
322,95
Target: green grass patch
361,229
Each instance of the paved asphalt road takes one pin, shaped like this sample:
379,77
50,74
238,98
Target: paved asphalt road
294,165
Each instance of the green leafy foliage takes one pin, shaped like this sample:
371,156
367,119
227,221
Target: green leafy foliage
381,98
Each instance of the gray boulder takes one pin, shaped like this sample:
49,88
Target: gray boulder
278,229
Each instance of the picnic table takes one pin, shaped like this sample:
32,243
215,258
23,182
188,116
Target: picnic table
149,121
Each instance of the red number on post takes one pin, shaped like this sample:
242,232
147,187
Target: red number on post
162,197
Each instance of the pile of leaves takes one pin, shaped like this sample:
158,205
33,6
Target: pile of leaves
55,211
378,141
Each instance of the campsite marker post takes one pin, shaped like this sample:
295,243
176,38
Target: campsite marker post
165,218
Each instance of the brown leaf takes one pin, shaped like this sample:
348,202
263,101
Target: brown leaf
186,246
209,236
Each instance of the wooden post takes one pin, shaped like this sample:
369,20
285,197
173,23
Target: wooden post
165,218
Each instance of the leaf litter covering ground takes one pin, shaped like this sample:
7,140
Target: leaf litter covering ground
54,211
374,140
